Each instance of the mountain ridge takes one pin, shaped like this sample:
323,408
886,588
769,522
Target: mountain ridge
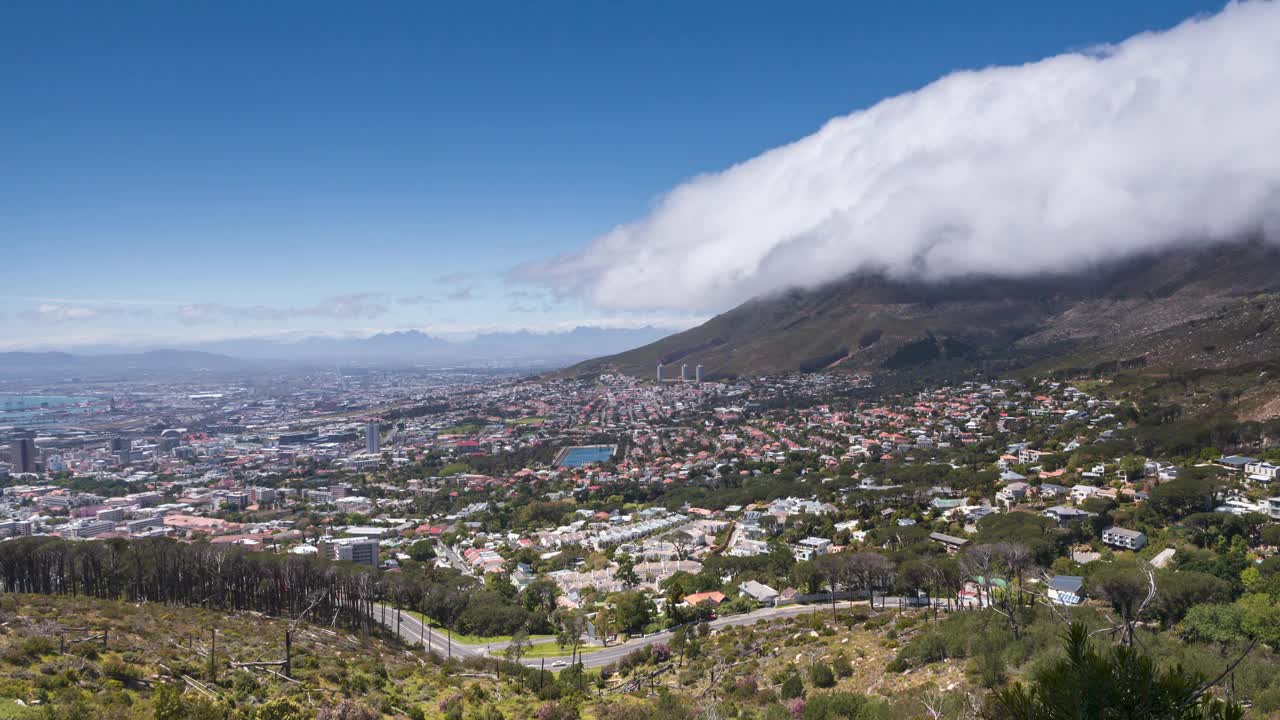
870,322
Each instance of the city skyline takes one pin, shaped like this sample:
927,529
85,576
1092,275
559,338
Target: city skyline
163,191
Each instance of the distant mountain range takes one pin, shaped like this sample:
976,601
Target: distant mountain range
1190,308
416,346
406,348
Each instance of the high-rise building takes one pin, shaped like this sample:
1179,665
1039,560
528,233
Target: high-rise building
684,373
372,438
697,373
660,378
24,455
356,550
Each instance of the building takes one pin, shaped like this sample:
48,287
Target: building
811,547
88,528
144,524
684,373
14,528
24,455
114,515
697,373
759,592
1262,472
952,543
1065,514
660,378
1237,463
713,598
1065,590
1012,494
355,550
1124,538
372,438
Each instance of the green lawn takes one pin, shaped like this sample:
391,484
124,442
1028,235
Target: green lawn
464,429
550,650
471,639
527,421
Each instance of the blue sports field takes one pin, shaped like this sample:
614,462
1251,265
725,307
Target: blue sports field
586,455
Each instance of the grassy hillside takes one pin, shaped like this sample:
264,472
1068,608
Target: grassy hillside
55,663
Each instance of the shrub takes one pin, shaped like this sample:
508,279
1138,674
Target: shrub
822,676
348,710
557,711
29,650
840,665
792,686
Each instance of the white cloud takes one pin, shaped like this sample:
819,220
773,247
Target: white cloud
341,307
1167,138
49,312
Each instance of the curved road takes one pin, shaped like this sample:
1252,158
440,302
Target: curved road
411,630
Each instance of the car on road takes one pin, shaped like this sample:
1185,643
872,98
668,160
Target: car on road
559,663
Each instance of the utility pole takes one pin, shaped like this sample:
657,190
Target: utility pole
450,631
397,624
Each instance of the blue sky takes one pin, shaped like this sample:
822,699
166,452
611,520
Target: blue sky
178,171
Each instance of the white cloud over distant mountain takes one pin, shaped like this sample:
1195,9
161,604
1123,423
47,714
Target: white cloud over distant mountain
1167,138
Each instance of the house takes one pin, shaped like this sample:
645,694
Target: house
945,504
1009,476
977,513
1080,493
1261,472
952,543
1065,589
1124,538
811,547
1237,463
1012,494
713,598
1065,514
1240,506
1051,490
1273,508
759,592
1031,457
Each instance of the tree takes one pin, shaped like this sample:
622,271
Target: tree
517,647
808,576
626,572
1181,497
633,610
572,626
1117,682
540,596
1129,589
1132,466
423,551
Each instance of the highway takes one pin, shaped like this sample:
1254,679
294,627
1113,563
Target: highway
411,630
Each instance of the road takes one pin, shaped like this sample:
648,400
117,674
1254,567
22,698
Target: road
411,630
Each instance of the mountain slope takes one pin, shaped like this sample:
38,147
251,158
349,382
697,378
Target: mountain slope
870,322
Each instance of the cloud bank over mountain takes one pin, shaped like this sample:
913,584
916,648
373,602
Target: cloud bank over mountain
1166,139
